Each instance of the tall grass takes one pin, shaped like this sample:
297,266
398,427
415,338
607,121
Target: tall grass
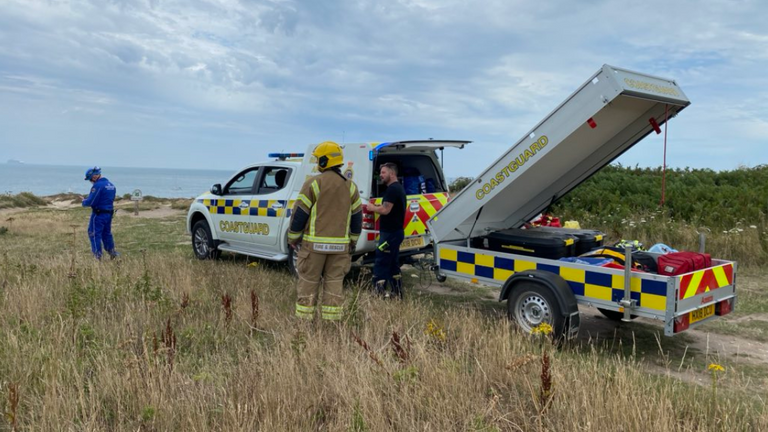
166,342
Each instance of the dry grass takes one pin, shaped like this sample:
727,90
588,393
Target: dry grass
160,341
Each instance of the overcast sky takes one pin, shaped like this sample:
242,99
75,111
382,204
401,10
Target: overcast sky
220,83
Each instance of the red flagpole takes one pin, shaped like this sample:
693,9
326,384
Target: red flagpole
664,167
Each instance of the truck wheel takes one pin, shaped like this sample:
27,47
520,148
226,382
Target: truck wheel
293,260
614,315
531,305
202,242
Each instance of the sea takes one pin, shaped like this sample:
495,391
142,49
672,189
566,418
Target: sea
43,180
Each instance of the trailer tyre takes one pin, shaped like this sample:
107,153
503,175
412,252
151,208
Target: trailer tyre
202,242
532,304
441,277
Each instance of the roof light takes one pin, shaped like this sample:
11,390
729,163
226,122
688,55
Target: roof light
284,156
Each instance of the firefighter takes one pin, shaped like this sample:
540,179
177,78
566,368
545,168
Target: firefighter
101,200
326,222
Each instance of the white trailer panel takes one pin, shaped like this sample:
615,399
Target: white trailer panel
606,116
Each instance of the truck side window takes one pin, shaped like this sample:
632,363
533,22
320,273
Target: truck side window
243,183
273,179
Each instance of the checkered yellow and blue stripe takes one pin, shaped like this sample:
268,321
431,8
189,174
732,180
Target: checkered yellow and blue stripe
266,208
598,285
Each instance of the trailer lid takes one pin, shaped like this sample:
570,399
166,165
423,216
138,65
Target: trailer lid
606,116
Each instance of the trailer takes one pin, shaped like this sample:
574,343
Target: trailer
611,112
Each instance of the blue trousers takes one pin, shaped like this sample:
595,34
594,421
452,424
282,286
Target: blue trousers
100,231
386,267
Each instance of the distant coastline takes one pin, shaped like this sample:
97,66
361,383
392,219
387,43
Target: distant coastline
47,180
15,162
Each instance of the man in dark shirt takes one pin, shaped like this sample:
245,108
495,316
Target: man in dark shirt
386,267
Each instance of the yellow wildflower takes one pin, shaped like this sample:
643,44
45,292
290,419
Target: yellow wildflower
434,330
543,328
716,367
253,264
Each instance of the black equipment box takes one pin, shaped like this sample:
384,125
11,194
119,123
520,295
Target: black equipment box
588,239
541,244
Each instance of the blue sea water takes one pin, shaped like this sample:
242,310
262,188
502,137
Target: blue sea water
45,180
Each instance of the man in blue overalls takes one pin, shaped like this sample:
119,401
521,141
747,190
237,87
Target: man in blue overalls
101,200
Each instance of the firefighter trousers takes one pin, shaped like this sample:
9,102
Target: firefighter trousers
318,270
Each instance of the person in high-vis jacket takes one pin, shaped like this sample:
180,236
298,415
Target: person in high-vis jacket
326,221
101,201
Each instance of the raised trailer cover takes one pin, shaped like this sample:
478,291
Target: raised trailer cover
607,115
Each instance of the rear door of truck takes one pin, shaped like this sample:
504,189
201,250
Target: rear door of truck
422,176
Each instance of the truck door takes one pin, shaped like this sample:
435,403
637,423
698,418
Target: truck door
270,207
230,212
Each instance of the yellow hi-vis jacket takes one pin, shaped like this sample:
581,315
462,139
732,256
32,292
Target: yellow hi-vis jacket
327,213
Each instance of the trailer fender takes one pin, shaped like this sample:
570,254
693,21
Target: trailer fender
557,285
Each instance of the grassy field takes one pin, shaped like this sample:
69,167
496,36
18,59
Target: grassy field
160,341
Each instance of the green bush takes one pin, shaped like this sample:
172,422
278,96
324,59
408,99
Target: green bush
702,197
21,200
728,207
458,184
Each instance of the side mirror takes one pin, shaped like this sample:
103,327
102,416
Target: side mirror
216,189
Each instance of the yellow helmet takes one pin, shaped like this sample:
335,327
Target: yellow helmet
328,155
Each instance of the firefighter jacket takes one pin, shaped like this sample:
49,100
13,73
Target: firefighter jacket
327,215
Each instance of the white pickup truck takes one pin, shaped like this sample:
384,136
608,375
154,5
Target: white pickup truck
249,213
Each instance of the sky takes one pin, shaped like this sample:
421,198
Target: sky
218,84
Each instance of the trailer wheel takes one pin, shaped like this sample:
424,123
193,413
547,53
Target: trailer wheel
441,277
614,315
202,242
532,304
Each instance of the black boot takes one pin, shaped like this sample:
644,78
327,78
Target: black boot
397,286
380,285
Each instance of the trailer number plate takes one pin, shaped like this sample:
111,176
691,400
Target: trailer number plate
702,313
411,243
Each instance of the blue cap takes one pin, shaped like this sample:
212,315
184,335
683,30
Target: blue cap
92,172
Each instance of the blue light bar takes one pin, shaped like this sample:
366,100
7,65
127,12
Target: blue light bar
283,156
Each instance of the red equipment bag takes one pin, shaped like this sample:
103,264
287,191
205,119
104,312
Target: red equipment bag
676,263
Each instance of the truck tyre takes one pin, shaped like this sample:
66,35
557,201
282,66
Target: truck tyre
614,315
202,242
532,304
293,259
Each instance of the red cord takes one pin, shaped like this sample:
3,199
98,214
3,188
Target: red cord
664,167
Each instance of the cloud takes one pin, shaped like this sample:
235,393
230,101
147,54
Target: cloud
174,75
